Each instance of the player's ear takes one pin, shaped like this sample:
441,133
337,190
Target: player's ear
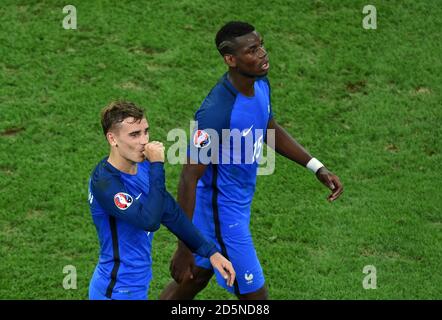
111,139
230,60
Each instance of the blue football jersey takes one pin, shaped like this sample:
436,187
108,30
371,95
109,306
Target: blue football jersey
126,209
231,130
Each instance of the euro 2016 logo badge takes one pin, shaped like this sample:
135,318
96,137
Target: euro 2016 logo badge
201,139
122,200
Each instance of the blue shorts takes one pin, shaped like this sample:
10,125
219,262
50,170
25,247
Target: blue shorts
98,286
95,293
239,249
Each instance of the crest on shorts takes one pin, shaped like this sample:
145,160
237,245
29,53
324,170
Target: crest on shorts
123,200
249,277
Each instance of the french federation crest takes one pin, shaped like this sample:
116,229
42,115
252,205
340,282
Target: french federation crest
201,139
122,200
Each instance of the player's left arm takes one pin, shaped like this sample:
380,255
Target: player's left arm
179,224
288,147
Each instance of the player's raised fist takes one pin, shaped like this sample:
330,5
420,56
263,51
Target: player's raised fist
154,151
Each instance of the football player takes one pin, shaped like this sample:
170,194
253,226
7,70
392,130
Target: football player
218,194
128,201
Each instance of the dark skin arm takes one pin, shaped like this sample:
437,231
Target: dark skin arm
182,264
288,147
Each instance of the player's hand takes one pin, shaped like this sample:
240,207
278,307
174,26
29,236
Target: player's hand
224,267
154,151
331,181
182,264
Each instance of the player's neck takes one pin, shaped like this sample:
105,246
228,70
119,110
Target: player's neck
242,83
122,164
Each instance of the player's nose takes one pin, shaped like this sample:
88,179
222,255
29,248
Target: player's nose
145,139
262,53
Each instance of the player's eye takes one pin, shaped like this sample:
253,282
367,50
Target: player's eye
255,49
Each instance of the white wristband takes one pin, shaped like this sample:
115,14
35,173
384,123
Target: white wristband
314,165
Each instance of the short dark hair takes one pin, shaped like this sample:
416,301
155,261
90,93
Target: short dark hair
225,37
117,111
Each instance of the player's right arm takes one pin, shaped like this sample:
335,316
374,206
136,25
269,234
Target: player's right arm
183,262
143,211
211,116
